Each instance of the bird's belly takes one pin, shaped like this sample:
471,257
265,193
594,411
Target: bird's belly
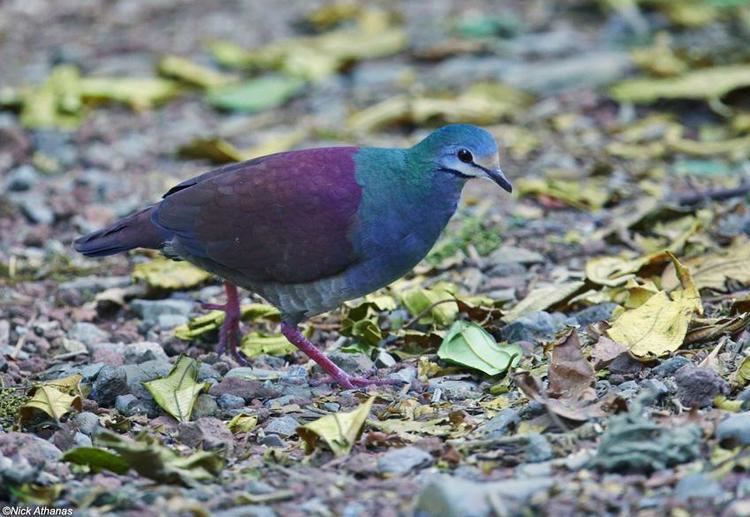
299,301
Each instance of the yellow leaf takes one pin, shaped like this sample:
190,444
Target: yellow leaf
543,298
713,270
192,73
139,93
590,195
242,423
339,430
177,392
659,326
482,103
55,398
689,293
256,343
707,83
163,273
742,375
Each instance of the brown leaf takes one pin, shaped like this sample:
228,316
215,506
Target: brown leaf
605,351
570,374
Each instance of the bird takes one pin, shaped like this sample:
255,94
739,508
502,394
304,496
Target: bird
312,228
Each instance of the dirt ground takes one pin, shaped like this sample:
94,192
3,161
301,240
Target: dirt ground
617,272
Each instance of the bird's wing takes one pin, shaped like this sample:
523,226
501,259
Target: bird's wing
283,218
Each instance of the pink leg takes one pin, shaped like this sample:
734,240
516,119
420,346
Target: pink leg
229,334
292,333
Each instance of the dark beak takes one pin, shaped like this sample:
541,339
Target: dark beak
498,177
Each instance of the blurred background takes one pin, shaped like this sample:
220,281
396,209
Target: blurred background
104,104
616,119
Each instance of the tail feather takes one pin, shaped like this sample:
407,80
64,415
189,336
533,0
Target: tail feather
135,231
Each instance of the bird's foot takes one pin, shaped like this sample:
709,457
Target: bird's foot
351,381
335,374
229,334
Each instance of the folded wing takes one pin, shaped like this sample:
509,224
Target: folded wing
283,218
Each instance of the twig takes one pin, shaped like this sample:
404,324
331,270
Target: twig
424,312
715,195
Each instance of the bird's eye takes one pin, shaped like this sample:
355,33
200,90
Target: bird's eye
465,155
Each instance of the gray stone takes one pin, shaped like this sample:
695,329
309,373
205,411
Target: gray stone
697,485
81,440
88,334
34,206
208,433
207,372
501,424
628,389
670,366
284,426
111,382
406,375
249,373
354,364
27,449
205,405
21,178
295,375
229,401
130,405
137,374
86,422
273,440
697,387
151,310
449,496
136,353
454,389
652,390
595,313
93,284
538,449
397,462
16,470
170,321
735,430
248,390
535,327
249,510
384,360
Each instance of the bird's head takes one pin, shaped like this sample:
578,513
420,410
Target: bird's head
464,151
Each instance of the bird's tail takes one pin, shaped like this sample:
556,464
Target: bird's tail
134,231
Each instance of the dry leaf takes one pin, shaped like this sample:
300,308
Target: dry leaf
339,430
542,298
659,326
570,375
177,392
163,273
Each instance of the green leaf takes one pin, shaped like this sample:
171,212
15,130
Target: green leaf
470,345
150,459
339,430
434,305
97,459
255,95
176,394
